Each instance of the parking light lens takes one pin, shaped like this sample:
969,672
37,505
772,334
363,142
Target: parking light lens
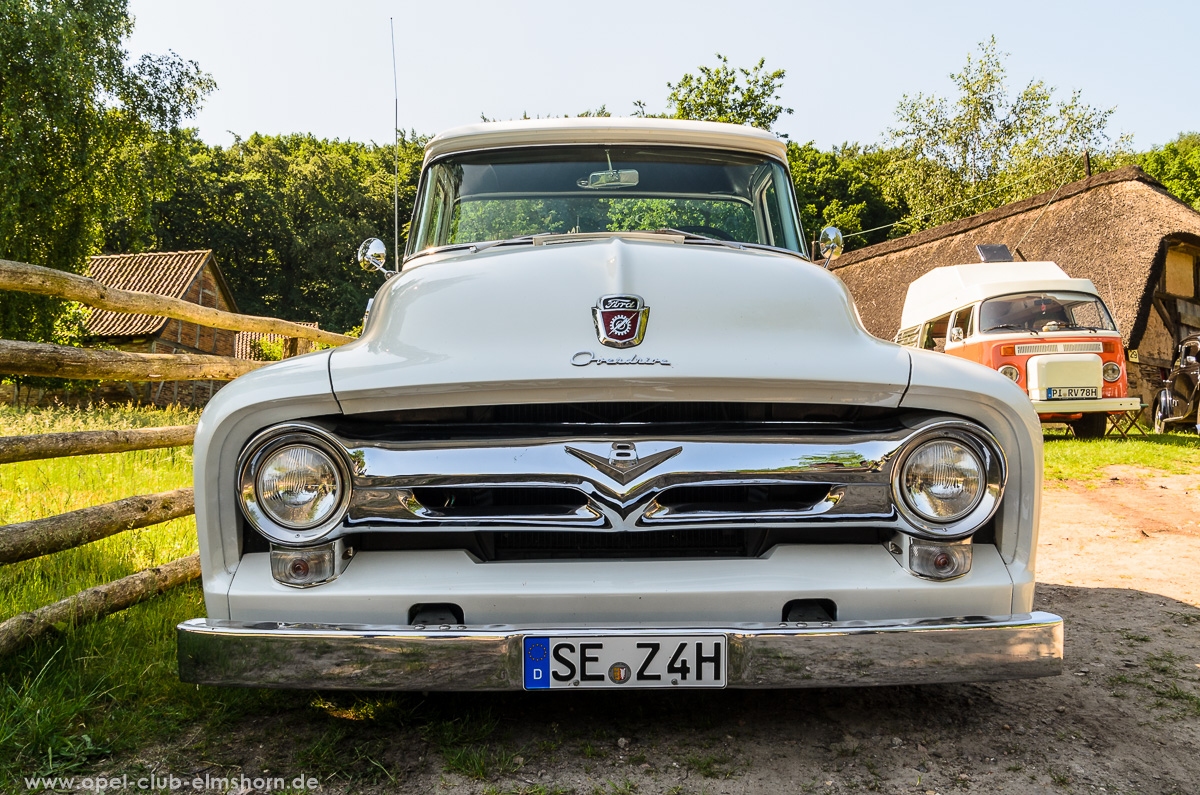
939,561
301,568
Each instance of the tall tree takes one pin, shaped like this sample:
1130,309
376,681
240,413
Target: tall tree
847,187
721,93
1177,165
986,148
284,216
70,105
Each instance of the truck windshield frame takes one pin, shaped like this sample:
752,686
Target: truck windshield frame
477,197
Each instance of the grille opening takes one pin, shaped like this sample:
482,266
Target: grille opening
472,501
703,543
507,545
743,499
618,418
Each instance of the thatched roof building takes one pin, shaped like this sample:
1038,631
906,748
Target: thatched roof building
1138,244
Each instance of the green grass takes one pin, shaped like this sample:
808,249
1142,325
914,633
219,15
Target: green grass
64,700
1068,458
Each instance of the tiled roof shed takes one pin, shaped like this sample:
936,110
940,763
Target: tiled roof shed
168,273
1113,228
247,344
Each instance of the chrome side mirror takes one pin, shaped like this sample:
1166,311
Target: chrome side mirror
830,244
956,334
372,256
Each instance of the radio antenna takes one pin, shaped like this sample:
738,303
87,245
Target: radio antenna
395,153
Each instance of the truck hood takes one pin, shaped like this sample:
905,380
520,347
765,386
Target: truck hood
515,325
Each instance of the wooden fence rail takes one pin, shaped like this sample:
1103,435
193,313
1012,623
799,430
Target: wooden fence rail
59,445
38,537
27,278
96,602
64,361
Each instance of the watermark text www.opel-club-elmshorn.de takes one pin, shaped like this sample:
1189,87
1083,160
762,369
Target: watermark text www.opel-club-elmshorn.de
169,782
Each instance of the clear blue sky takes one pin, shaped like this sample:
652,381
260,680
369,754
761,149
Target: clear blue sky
326,67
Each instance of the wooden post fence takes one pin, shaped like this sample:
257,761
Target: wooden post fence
59,445
26,278
26,540
96,602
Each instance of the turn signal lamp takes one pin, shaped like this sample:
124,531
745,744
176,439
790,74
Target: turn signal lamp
303,568
939,561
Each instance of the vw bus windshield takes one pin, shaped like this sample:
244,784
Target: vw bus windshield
1044,311
504,194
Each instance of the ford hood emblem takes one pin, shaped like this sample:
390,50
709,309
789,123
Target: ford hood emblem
620,320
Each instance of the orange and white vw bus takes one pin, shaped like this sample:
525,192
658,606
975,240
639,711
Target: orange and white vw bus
1049,333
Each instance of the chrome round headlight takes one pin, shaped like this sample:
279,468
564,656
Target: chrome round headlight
942,480
948,480
1112,372
1010,372
295,484
298,486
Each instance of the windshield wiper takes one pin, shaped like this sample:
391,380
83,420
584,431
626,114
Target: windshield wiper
1057,325
696,237
1007,325
508,241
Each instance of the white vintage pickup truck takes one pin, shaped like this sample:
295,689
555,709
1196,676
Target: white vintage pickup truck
610,426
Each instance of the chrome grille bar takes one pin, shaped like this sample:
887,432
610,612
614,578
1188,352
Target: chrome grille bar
847,479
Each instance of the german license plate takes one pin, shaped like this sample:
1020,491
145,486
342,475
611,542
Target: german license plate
1071,392
624,661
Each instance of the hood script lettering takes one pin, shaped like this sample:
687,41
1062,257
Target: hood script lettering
584,358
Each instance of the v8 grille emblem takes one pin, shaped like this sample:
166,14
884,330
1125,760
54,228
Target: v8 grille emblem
623,463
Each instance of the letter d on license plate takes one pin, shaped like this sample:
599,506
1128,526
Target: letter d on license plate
613,661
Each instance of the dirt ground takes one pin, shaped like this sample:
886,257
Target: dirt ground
1119,559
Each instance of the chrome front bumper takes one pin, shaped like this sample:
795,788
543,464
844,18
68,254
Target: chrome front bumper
833,654
1091,405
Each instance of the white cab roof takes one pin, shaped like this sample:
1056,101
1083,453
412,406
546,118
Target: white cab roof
605,130
948,288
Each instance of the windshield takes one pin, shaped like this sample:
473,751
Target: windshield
497,195
1044,311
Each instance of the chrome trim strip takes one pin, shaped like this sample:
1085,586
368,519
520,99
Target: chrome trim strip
1060,347
833,654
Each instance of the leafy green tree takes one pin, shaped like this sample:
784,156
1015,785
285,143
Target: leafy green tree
986,148
71,108
284,216
1177,166
721,93
846,188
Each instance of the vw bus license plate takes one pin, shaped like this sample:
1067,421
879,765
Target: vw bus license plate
624,661
1071,392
